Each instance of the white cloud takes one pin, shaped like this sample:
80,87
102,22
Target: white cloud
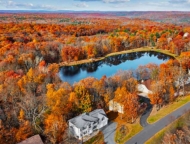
171,4
81,5
115,1
105,1
179,1
159,3
116,6
14,5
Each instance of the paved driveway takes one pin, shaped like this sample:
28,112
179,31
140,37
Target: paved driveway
151,130
145,115
109,132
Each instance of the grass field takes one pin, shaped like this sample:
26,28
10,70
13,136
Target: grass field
133,129
98,139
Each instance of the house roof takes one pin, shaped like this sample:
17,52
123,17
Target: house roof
83,120
89,118
186,34
118,102
36,139
147,83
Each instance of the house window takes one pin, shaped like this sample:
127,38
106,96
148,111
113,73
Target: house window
84,128
94,127
84,132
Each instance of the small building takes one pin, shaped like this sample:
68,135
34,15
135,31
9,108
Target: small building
143,88
169,39
185,35
87,123
116,106
36,139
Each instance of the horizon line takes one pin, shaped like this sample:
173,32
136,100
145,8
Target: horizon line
98,10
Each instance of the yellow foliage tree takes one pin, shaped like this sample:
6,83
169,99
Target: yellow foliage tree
84,99
55,127
24,131
58,104
21,115
129,102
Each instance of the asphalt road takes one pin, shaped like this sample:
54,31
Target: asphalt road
151,130
109,132
145,115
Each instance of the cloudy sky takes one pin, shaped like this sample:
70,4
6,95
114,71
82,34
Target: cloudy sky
98,5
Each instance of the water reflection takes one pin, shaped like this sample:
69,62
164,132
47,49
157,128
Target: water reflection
110,65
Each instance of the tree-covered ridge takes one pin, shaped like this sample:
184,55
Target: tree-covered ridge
68,42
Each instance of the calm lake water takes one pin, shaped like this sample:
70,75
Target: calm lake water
110,65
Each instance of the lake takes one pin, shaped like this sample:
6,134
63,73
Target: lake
110,65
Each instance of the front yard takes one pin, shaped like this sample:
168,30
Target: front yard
131,130
124,130
98,139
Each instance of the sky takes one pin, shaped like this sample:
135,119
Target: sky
97,5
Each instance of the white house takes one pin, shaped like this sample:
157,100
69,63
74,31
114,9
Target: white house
86,123
116,106
143,88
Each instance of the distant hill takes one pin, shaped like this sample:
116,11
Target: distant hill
176,17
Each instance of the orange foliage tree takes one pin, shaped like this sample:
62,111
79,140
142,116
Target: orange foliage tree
129,101
55,121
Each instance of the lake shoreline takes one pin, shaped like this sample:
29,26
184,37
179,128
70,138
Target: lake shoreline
142,49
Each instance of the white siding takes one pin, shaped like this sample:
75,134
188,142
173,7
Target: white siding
76,131
115,106
103,123
92,126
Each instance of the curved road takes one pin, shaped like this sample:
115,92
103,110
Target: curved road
145,115
151,130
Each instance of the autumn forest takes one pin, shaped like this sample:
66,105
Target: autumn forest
33,46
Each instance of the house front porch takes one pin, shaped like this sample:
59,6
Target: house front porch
87,137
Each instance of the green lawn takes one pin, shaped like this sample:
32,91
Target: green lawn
157,137
168,109
98,139
133,129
